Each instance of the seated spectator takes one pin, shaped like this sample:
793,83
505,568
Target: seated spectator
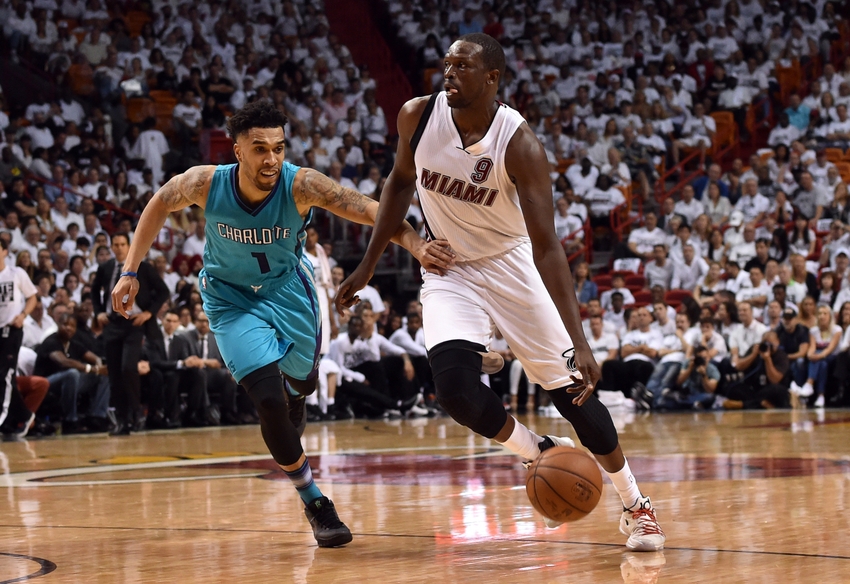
355,390
217,380
715,206
594,308
711,283
698,380
38,325
583,176
674,350
643,240
823,346
603,199
688,207
756,294
697,132
72,371
761,258
568,227
659,272
618,283
173,370
745,250
689,271
586,289
784,133
639,351
616,316
764,377
604,345
802,240
752,204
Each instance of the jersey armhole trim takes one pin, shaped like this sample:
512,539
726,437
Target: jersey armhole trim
423,121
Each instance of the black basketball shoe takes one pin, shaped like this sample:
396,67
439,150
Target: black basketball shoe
328,530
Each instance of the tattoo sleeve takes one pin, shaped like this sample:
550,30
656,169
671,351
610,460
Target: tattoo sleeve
318,190
185,189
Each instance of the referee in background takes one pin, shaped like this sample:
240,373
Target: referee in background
123,337
17,301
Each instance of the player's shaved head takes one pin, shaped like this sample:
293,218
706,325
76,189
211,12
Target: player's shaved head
492,52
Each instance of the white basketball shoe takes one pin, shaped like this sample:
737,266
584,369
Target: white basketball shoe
640,524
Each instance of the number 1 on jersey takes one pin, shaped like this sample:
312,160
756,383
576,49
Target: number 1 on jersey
263,261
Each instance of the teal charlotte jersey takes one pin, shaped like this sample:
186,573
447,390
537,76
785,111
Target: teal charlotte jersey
258,292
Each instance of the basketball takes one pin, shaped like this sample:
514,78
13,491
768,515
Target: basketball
564,484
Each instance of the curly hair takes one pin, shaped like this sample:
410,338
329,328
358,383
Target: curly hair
257,114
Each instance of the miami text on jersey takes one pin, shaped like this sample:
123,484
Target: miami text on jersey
457,189
252,235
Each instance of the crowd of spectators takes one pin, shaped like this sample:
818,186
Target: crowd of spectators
620,91
617,93
76,169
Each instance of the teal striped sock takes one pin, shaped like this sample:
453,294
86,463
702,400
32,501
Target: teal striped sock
302,479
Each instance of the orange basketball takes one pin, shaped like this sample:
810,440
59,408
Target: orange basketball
564,484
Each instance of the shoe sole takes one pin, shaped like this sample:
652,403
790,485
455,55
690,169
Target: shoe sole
645,548
335,541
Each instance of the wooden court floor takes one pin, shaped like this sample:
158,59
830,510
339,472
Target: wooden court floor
743,497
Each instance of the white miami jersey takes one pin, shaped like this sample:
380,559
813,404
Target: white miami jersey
466,195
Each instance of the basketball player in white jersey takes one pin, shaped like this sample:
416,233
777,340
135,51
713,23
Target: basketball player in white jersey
483,183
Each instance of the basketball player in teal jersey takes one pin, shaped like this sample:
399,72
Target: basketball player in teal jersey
257,290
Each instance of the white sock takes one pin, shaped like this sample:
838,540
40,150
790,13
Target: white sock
523,442
331,401
626,485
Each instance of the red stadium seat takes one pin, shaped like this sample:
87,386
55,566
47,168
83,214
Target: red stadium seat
674,297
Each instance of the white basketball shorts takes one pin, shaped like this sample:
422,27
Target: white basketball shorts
504,292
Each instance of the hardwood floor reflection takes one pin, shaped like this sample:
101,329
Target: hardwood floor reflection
742,496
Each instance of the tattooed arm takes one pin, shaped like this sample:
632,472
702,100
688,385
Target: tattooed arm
313,189
189,188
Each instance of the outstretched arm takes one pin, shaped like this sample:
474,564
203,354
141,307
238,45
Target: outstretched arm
395,201
525,161
189,188
313,189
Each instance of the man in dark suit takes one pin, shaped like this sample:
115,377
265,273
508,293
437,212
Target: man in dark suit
218,381
174,369
123,337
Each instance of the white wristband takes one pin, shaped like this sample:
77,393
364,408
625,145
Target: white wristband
88,368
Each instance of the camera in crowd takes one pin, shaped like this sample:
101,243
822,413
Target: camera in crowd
764,346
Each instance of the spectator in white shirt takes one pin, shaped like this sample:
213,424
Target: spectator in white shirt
618,285
582,176
643,240
194,244
603,199
639,351
688,207
604,345
752,204
690,271
756,295
784,133
660,271
750,333
697,132
567,224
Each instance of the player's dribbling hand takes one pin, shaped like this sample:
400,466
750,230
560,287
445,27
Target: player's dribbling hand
590,376
124,295
435,256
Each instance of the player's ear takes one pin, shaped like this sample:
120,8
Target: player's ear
237,151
